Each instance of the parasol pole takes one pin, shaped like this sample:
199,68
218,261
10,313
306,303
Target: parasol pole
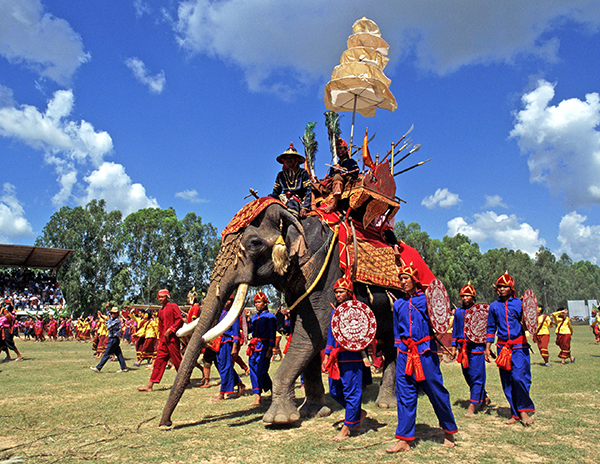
352,128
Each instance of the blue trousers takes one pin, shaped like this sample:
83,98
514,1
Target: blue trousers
475,377
229,377
517,382
407,395
347,391
259,372
113,346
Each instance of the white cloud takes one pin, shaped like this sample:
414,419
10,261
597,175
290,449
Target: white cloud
6,96
70,147
504,230
43,42
562,142
111,183
191,196
579,241
442,198
52,132
155,83
66,144
13,224
141,8
493,201
268,39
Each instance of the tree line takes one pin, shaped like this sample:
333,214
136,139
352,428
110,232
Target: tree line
128,260
456,261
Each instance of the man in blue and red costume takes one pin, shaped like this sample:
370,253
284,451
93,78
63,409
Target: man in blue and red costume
292,184
169,321
504,320
227,348
417,364
263,326
346,370
469,354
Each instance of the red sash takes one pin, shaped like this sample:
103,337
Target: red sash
413,358
251,347
504,359
332,366
216,344
287,344
463,358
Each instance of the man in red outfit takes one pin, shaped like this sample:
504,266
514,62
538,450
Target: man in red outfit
169,321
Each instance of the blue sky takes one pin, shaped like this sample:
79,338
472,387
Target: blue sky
186,104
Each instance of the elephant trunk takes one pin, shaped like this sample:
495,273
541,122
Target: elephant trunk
201,336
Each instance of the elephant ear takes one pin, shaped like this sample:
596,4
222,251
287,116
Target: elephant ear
295,240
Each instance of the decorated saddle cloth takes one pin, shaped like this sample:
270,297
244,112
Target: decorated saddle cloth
374,262
247,214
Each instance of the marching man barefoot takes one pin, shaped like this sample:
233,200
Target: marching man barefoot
346,371
417,364
504,320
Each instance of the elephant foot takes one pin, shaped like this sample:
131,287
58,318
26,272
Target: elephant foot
281,413
312,408
385,400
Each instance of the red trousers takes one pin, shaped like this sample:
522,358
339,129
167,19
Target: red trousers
564,342
542,343
166,350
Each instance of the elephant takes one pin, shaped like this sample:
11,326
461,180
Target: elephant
300,259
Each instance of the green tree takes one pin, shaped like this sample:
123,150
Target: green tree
161,251
93,233
201,244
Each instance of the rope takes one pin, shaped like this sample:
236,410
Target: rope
316,281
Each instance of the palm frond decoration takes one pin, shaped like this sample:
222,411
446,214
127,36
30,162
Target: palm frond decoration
310,146
332,122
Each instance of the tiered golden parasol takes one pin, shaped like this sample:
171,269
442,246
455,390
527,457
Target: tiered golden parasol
358,82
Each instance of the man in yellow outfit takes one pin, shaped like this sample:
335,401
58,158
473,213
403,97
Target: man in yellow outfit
564,330
542,336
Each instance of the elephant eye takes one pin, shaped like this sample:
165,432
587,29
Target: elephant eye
255,243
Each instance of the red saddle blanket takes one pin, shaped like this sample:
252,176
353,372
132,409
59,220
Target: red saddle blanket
374,262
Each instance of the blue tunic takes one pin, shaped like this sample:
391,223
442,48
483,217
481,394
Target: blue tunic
263,327
295,183
229,378
348,389
504,320
475,373
412,323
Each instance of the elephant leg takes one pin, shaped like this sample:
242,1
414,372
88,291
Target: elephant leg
302,357
387,389
314,403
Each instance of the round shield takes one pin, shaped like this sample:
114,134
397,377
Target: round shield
353,325
530,311
476,322
438,306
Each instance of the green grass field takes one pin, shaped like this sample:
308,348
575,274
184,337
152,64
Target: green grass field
55,410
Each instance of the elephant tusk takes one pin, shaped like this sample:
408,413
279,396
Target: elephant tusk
187,329
232,315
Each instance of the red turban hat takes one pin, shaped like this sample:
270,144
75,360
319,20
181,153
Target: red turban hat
260,296
468,290
345,283
163,292
412,271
